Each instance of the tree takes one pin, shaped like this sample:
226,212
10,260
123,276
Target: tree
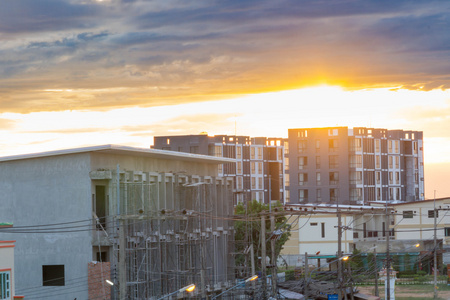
248,232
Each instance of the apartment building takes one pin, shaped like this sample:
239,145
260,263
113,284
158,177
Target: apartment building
354,166
258,170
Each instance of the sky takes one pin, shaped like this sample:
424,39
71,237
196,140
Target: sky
83,72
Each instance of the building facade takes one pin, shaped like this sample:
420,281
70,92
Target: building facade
258,170
150,216
355,166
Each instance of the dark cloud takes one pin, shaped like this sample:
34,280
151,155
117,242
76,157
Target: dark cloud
45,15
152,53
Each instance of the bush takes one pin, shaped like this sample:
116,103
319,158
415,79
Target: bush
421,273
290,275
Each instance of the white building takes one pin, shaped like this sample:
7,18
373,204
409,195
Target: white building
7,270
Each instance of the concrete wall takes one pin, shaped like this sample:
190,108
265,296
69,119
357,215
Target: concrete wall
48,190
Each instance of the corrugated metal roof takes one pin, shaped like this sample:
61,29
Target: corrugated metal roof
123,150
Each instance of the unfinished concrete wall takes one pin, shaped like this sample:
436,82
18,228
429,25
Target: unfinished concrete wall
42,191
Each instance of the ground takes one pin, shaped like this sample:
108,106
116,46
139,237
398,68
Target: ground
415,292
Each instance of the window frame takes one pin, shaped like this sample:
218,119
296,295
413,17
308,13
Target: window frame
5,281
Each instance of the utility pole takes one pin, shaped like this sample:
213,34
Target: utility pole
306,275
263,254
388,258
252,257
203,271
435,250
339,254
122,261
376,272
273,258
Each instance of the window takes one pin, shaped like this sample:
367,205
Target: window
334,178
253,183
356,177
313,224
286,147
260,168
396,146
397,162
5,285
408,214
391,178
356,194
333,161
317,162
239,152
377,146
377,162
318,178
239,168
378,177
332,132
334,195
253,166
322,227
391,164
288,196
390,146
194,149
333,145
431,214
100,206
302,133
239,183
286,179
301,146
397,177
260,182
378,193
260,153
302,162
447,231
302,195
355,145
53,275
355,161
355,235
302,178
252,152
319,195
317,146
279,154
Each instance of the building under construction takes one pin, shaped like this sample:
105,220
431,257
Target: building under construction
148,221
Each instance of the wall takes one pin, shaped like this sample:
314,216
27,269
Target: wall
48,190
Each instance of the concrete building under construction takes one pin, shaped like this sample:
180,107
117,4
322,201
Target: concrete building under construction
149,221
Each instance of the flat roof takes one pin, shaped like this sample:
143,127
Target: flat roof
125,150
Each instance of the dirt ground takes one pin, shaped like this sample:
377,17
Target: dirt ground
407,291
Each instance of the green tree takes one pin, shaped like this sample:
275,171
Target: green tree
356,261
248,232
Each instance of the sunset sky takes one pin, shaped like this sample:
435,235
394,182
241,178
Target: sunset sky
83,72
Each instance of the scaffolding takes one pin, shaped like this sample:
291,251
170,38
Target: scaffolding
178,230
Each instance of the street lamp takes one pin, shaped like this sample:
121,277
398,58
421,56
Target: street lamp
109,282
188,289
254,277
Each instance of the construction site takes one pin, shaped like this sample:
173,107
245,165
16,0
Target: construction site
177,230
